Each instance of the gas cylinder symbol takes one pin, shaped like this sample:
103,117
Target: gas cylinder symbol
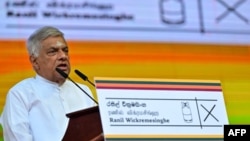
186,112
172,11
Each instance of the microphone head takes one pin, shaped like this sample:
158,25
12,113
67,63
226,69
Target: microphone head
84,77
62,73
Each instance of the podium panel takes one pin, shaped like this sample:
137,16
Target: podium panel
84,125
161,109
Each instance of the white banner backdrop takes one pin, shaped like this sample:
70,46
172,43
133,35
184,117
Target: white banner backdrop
198,21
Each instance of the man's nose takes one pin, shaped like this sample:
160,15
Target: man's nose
62,54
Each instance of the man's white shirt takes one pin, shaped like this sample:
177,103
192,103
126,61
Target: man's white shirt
35,109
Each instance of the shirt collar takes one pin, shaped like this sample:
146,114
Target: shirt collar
44,80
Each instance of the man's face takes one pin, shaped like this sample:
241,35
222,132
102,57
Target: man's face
53,54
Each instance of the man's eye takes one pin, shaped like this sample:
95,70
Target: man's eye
52,52
66,50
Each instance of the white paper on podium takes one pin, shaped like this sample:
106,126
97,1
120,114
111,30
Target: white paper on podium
161,108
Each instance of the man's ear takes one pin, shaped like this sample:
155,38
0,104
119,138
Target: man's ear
33,61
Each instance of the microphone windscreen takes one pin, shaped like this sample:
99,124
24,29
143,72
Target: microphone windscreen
62,73
84,77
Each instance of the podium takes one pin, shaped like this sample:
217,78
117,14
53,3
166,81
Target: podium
84,125
161,109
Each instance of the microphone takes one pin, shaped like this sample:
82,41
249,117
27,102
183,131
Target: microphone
66,76
84,77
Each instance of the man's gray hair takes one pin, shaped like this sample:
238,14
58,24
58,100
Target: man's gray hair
35,39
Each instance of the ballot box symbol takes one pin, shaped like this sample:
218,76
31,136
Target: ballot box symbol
233,10
209,113
186,112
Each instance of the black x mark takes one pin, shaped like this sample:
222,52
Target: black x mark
209,113
231,9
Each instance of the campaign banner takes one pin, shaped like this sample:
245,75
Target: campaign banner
196,21
152,109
